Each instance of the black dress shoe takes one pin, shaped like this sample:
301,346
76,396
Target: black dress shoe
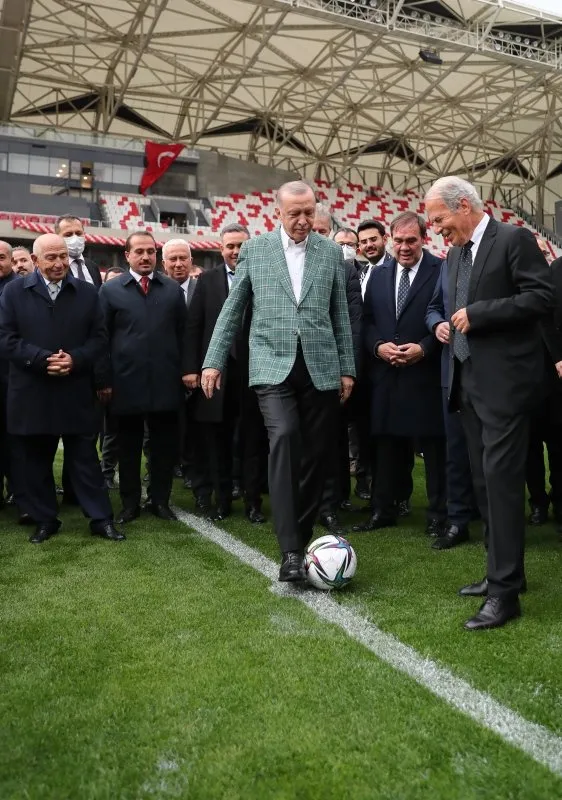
203,505
330,522
403,508
128,515
161,511
292,566
43,532
434,528
220,514
480,588
187,483
451,537
374,523
362,490
106,530
178,472
26,519
494,613
538,515
10,500
254,514
110,484
346,505
59,490
236,491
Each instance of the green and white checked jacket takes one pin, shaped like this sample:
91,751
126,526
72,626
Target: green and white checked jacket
320,319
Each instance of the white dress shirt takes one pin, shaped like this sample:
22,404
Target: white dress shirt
412,272
74,270
294,256
477,235
137,277
367,274
229,277
185,287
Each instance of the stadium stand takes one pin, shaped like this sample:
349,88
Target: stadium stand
349,205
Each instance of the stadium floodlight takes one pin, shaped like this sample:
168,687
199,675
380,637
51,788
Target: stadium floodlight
430,56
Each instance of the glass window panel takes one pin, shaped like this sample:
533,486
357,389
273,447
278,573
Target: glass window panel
38,165
121,174
103,173
18,163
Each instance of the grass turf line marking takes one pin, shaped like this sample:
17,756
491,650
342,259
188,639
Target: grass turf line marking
533,739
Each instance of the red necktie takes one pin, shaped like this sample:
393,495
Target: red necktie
145,283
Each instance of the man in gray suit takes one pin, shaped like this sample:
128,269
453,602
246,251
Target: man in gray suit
301,358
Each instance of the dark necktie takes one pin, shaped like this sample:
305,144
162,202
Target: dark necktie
403,289
145,283
229,279
79,269
460,342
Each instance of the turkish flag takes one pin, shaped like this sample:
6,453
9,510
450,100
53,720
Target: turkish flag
157,158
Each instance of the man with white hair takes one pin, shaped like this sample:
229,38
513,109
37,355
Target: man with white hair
500,288
300,355
52,332
178,263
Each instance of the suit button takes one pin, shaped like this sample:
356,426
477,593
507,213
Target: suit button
28,363
396,338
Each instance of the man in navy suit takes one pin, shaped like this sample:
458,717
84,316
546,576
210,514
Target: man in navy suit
52,332
405,374
460,495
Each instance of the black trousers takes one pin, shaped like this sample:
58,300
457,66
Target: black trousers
337,486
35,457
497,446
300,420
163,435
359,413
544,430
403,466
393,474
460,494
109,445
213,472
253,448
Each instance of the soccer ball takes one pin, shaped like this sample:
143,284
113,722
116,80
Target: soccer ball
330,562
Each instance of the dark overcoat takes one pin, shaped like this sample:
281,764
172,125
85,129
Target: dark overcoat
146,334
405,401
32,328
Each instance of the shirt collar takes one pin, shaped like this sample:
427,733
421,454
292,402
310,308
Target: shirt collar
290,243
414,268
137,277
478,231
185,284
229,270
51,283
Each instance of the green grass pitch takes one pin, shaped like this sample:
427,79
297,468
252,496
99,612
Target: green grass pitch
163,668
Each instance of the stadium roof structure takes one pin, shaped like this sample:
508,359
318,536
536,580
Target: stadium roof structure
382,92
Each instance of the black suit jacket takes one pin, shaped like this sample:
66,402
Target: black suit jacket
94,271
406,401
355,308
4,363
146,336
206,304
32,328
510,291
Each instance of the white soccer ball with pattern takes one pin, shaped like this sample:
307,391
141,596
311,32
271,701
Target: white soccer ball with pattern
330,562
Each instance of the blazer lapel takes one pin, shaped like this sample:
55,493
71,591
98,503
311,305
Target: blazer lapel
37,284
452,270
481,256
311,262
280,263
390,269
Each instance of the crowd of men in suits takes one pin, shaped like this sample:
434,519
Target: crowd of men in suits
263,373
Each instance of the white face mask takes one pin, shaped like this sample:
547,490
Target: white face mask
75,245
348,252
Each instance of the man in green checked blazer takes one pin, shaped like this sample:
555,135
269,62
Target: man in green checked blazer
301,359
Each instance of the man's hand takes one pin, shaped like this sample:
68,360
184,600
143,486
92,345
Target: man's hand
104,395
59,364
409,354
210,380
558,367
442,332
460,321
388,352
192,381
346,387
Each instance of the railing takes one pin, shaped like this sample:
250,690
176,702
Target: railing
546,233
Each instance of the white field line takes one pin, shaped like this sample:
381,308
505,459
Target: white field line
533,739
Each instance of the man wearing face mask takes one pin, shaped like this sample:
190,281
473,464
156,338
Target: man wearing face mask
72,231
